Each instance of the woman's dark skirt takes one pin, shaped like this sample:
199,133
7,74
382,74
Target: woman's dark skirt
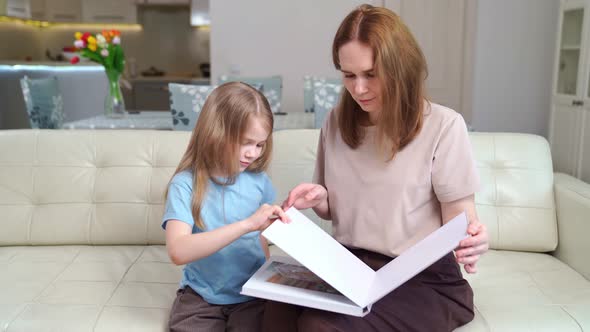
437,299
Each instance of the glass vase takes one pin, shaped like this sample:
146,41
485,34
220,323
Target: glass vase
114,105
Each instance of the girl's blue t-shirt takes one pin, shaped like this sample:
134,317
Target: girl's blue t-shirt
219,278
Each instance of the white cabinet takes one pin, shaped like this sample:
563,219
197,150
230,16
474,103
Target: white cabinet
38,11
63,10
164,2
200,13
109,11
15,8
569,128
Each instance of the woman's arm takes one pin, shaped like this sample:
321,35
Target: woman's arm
184,247
470,249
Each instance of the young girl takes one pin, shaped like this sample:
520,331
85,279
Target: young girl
217,202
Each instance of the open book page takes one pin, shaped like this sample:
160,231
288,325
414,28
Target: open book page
298,276
312,247
263,285
418,257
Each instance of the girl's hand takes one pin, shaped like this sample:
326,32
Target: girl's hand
264,216
471,248
305,195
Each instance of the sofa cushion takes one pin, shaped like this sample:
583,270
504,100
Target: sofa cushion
516,198
86,288
98,187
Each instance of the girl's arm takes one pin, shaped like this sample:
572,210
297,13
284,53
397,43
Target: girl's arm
184,247
471,248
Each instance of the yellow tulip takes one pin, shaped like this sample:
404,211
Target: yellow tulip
78,35
92,47
91,40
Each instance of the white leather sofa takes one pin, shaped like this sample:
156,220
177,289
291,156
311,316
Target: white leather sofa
81,248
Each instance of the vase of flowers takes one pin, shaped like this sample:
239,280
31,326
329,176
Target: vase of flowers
105,48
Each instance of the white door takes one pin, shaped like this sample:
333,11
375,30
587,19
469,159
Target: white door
438,26
569,90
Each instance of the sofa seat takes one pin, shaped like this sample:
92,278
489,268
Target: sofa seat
520,291
104,288
86,288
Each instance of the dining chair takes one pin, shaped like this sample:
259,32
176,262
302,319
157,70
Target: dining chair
270,86
43,102
325,98
186,102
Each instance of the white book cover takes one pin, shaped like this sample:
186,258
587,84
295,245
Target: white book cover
321,273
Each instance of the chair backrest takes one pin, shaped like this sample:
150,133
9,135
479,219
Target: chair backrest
271,87
186,102
309,83
325,98
43,102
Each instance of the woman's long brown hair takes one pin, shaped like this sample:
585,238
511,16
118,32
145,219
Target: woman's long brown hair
213,149
399,65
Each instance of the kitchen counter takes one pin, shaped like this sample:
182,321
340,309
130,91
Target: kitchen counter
172,79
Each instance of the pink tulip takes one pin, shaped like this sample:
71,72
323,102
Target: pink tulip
104,53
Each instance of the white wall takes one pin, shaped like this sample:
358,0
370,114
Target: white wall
514,53
267,37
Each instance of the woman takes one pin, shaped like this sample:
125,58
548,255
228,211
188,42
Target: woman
391,168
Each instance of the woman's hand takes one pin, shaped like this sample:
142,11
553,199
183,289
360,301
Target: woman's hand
306,195
264,216
471,248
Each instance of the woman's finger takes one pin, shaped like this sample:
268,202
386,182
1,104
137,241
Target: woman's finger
295,193
470,268
469,259
468,251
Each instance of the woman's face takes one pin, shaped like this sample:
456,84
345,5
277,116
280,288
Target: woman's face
357,67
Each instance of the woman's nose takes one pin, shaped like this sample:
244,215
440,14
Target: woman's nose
360,86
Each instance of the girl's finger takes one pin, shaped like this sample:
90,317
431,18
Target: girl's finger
282,215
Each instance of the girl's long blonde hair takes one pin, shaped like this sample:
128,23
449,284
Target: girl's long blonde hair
213,149
400,66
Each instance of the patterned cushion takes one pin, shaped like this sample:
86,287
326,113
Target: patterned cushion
44,102
309,83
325,97
272,88
186,102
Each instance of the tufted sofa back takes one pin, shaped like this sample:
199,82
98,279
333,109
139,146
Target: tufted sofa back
85,187
516,197
107,187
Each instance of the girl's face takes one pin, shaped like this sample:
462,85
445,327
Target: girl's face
252,142
357,67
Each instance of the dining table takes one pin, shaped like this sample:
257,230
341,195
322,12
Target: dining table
162,120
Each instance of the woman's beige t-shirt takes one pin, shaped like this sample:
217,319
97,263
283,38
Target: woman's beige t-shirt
387,206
